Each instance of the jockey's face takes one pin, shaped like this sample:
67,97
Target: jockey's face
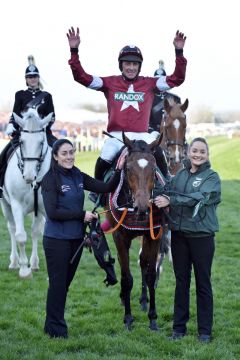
130,69
65,156
198,154
32,81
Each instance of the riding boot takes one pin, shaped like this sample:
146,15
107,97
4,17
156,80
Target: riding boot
101,167
161,161
3,164
50,137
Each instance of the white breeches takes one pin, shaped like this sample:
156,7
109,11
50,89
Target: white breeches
112,146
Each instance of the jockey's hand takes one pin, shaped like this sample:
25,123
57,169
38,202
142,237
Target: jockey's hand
161,201
73,38
179,40
89,216
10,129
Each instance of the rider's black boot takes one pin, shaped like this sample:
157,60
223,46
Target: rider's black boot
50,137
101,168
3,165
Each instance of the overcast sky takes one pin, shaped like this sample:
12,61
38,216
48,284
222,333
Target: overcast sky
39,28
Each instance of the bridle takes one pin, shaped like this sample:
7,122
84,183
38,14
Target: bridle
39,159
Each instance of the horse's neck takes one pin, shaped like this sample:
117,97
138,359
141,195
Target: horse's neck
47,150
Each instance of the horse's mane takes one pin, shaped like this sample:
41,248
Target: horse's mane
32,119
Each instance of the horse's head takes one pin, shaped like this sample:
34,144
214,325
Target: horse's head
140,169
173,128
33,142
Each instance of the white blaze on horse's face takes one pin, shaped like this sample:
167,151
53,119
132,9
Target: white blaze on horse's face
142,163
176,124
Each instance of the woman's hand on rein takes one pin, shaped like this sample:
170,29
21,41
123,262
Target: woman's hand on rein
89,216
161,201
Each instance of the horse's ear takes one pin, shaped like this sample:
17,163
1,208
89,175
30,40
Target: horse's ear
46,119
18,120
166,105
156,142
184,106
126,141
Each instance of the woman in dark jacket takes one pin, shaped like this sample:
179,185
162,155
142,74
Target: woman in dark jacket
195,192
63,195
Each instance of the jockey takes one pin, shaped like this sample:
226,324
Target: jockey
157,110
129,96
32,97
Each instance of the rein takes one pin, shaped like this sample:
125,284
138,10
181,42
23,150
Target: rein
159,234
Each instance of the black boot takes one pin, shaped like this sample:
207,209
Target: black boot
5,153
161,161
50,137
101,168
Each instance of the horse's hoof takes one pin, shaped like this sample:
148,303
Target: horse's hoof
129,327
144,306
153,326
13,266
25,273
35,268
128,321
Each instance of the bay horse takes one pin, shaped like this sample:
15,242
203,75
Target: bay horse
138,183
173,128
21,190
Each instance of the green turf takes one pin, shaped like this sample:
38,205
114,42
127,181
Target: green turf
94,313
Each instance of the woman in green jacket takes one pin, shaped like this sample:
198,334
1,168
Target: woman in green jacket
194,194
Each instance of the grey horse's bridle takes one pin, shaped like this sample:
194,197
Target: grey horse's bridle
22,158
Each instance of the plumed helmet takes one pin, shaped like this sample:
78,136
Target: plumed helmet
31,69
130,53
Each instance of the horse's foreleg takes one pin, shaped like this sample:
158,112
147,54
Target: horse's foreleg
148,264
14,258
21,238
37,227
143,297
126,288
126,278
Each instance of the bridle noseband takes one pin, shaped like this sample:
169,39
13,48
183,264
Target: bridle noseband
39,159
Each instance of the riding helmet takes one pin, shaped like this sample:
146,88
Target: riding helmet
130,53
31,70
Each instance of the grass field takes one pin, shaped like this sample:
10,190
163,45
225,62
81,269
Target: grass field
94,314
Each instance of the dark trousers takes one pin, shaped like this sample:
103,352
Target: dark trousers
196,252
60,273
